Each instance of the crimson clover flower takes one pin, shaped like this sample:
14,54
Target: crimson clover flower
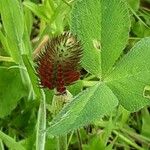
59,62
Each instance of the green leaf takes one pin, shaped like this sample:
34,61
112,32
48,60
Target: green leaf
33,79
28,17
11,90
27,42
12,18
7,59
96,143
115,30
103,27
141,30
3,40
131,76
134,4
145,123
107,131
11,12
41,125
39,10
76,88
1,145
10,142
86,23
85,108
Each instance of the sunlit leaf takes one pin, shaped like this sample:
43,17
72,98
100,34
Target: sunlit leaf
85,108
12,19
86,23
131,76
103,27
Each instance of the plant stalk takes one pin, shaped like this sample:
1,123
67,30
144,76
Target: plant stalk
128,141
62,142
41,124
57,104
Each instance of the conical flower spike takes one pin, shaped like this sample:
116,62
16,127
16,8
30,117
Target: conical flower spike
59,62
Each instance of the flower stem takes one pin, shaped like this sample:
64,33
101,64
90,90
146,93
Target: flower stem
57,104
62,142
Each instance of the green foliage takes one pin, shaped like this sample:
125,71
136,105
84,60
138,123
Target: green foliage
10,10
115,32
88,106
131,75
134,4
16,39
10,142
114,75
140,29
146,122
89,32
76,88
103,38
52,14
41,125
10,82
40,11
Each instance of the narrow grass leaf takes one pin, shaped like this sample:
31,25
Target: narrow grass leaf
11,12
33,77
10,142
3,40
1,145
41,125
13,23
37,9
